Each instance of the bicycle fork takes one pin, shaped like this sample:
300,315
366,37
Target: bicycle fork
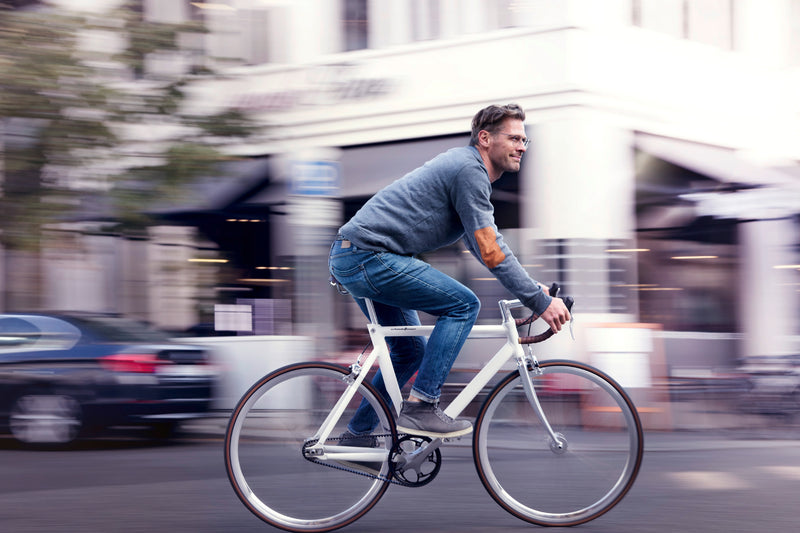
527,366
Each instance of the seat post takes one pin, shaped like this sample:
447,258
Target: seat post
373,316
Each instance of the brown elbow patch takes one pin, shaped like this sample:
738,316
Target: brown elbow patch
491,253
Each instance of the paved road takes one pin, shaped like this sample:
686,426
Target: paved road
689,482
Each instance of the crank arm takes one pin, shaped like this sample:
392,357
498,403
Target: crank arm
415,459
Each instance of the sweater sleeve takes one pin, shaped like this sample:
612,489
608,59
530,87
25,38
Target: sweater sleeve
470,194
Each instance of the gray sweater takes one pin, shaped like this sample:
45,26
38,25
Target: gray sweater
444,200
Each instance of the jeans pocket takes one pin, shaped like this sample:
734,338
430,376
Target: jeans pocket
355,280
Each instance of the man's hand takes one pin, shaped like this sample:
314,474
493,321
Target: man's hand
556,314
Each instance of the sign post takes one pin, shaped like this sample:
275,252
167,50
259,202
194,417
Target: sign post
315,214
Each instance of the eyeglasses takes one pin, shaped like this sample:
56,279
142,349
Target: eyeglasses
516,139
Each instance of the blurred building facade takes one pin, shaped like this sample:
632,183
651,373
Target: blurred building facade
661,184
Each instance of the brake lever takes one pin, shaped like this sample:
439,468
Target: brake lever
569,301
571,321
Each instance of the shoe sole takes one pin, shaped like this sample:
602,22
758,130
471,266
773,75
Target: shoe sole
433,434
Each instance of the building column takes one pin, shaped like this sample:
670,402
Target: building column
314,217
389,23
761,30
173,284
577,185
768,291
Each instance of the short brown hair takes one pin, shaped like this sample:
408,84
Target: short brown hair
490,118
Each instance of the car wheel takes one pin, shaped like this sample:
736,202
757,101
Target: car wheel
162,431
45,418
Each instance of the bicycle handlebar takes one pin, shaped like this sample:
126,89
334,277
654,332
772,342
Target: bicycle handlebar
568,301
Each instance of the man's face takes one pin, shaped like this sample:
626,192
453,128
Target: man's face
507,146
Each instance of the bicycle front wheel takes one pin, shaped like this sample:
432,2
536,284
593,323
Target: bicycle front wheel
569,482
264,450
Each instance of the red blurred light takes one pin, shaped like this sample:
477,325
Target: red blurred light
132,362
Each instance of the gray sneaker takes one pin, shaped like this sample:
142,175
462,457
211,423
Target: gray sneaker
426,419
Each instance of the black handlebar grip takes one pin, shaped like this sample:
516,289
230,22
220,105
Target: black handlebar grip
568,300
553,290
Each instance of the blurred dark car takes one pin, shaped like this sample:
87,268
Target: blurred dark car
63,376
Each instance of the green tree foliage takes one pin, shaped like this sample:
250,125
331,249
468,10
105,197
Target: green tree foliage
90,128
48,119
161,165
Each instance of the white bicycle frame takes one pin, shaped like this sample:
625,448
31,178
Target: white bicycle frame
512,348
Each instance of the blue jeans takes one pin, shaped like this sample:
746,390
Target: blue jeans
399,286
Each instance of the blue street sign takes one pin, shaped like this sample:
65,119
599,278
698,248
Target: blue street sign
315,178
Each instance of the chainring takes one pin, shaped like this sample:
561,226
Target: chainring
427,470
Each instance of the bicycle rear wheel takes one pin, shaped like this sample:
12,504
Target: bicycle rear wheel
264,442
550,485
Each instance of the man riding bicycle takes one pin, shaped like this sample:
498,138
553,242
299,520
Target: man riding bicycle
374,256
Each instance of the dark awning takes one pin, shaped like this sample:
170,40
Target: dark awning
229,190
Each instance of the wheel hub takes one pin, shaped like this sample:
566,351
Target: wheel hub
45,419
560,445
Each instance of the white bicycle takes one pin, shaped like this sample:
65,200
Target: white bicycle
555,443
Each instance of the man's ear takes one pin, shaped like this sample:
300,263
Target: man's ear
483,138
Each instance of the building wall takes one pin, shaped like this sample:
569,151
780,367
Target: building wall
591,75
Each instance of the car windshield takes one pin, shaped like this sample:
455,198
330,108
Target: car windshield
118,329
